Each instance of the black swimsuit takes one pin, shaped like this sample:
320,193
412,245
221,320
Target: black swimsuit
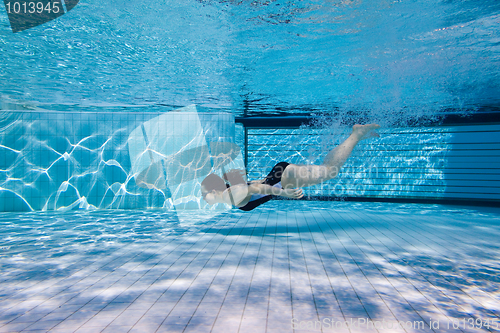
272,178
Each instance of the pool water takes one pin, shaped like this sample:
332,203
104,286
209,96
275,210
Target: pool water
81,99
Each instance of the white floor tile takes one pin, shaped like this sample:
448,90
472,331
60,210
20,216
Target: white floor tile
256,271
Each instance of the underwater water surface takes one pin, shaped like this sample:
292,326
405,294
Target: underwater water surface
387,60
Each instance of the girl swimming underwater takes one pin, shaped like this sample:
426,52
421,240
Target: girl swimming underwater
284,180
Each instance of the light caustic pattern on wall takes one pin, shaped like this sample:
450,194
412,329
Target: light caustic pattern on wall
403,162
438,162
63,160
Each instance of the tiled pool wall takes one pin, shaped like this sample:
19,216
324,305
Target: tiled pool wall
441,162
80,160
65,160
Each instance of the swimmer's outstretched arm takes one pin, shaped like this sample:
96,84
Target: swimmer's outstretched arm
236,194
294,193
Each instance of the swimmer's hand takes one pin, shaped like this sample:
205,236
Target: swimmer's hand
292,193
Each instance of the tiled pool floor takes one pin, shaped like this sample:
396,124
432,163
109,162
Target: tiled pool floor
288,266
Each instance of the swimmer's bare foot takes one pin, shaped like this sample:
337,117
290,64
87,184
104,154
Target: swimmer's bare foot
362,132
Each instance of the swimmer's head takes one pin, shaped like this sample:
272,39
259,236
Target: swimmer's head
211,186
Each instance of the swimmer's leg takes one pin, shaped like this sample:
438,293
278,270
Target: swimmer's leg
338,156
308,175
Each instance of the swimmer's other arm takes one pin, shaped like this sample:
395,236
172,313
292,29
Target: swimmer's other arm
294,193
240,193
235,177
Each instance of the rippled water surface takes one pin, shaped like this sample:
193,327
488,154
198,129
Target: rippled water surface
393,58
